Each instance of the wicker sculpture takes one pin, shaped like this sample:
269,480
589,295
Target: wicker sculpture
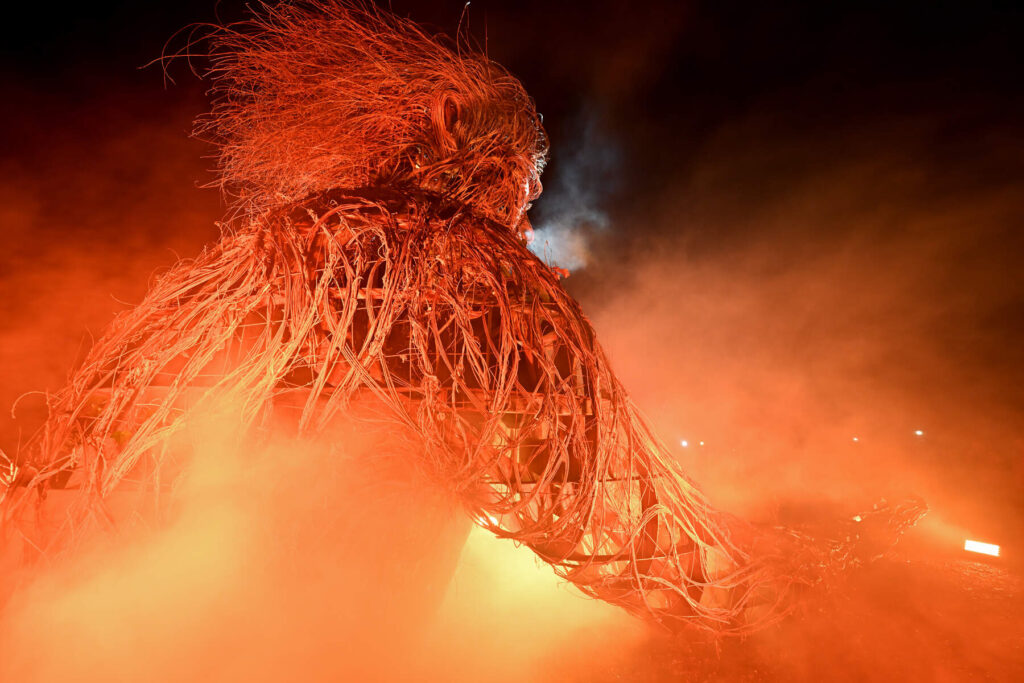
375,255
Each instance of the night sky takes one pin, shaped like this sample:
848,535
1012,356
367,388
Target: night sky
657,80
661,76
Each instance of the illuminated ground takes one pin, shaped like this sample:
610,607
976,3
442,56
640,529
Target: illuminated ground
925,615
242,587
929,612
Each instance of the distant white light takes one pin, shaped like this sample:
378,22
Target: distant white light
856,439
684,443
701,443
983,548
858,518
918,432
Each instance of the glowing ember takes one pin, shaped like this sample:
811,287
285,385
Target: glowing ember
982,548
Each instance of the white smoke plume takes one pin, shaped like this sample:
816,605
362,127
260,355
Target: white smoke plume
576,199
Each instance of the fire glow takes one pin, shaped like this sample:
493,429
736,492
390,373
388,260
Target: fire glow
982,548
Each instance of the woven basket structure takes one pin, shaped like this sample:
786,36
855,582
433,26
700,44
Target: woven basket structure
375,256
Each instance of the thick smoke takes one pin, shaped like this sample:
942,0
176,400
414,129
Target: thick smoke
321,559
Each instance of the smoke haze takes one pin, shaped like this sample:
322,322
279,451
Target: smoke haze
870,293
574,208
772,275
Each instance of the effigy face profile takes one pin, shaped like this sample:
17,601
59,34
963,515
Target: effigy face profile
312,97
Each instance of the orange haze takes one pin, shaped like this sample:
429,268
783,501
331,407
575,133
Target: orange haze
789,293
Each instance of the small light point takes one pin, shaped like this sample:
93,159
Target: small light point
982,548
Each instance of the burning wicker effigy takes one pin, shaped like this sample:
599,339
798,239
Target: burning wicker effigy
376,255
